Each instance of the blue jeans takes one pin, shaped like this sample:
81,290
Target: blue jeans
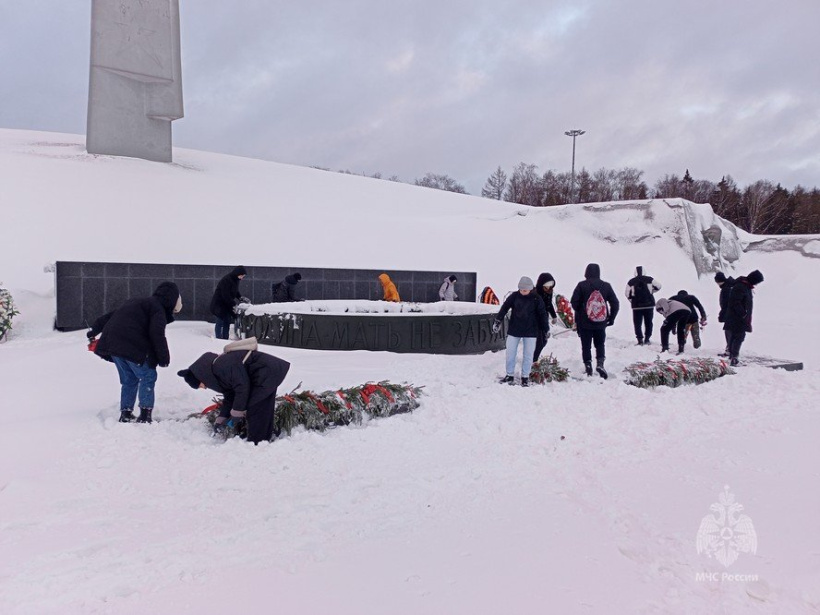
134,378
222,330
512,352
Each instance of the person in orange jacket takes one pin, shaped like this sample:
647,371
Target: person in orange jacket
391,293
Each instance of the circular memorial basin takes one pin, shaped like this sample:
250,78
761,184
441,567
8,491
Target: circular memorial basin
446,327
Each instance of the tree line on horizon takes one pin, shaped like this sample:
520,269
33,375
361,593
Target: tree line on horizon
761,207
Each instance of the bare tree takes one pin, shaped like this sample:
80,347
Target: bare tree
495,185
440,182
603,188
668,187
525,186
628,184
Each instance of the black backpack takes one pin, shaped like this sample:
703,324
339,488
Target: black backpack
641,295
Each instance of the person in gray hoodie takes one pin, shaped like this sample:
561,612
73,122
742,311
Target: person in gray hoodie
447,292
675,317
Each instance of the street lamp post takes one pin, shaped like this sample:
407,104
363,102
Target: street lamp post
573,134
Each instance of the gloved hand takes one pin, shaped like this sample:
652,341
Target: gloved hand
610,322
702,322
496,326
90,335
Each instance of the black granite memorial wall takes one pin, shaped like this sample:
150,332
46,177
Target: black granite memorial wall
435,334
86,290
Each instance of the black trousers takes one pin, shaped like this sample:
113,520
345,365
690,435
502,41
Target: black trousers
675,321
260,419
642,319
735,341
540,343
588,337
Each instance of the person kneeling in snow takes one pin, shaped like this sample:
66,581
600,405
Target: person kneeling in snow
247,379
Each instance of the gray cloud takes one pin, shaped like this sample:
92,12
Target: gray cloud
462,87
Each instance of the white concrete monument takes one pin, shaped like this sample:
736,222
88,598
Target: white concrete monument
135,86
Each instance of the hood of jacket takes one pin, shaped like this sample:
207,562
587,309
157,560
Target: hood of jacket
639,271
385,279
203,370
593,272
168,294
755,277
292,279
543,279
238,271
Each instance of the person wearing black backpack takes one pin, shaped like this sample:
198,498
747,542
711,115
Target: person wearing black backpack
738,315
640,290
596,306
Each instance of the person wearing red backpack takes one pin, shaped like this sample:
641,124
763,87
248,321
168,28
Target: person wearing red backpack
596,306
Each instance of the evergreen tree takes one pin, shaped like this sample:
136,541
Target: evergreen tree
495,185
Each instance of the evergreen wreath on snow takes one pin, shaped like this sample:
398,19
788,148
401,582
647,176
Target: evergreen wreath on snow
7,312
320,411
675,372
547,369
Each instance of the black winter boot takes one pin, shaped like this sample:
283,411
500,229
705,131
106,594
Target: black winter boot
145,415
640,341
680,349
525,382
507,380
601,371
126,416
588,368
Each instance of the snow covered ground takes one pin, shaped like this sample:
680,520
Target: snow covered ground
580,497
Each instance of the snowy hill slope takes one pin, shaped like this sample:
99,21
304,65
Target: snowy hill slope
569,498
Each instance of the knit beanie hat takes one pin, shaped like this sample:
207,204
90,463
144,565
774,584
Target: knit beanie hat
720,277
189,377
525,283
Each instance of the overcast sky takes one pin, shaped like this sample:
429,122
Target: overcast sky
461,87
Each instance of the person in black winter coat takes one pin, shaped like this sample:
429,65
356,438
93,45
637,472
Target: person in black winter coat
725,285
226,297
692,324
248,381
133,338
528,319
640,290
544,288
675,318
596,307
285,291
738,315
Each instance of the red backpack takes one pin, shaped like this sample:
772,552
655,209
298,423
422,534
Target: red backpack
596,307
